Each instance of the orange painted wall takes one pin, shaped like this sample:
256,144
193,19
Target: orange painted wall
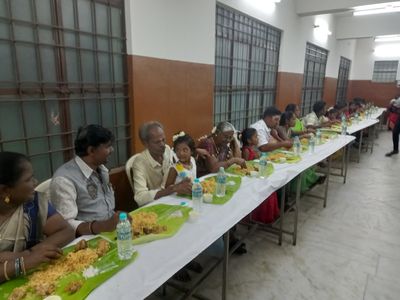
379,93
329,94
288,89
177,94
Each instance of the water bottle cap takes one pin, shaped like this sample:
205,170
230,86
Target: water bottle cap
196,180
123,216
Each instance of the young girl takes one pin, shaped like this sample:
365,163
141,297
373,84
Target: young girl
286,124
185,167
250,141
268,211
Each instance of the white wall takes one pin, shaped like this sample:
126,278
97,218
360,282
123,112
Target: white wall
185,30
367,26
365,58
181,30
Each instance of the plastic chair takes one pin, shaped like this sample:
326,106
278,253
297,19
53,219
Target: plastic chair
129,170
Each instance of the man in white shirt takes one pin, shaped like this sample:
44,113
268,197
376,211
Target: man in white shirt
266,140
151,167
80,189
316,118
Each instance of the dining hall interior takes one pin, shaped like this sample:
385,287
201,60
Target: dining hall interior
201,69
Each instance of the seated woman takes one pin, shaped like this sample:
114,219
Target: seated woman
298,128
31,231
223,150
310,178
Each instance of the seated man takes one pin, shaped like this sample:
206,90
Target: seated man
267,140
316,118
151,167
150,171
80,189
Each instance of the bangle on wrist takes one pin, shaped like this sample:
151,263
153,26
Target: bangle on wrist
22,265
5,270
17,267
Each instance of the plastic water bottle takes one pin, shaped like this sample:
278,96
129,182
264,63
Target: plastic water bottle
197,195
356,117
296,145
311,144
344,125
263,164
221,183
318,136
124,237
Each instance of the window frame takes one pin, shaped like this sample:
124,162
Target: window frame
385,71
246,67
63,92
313,83
343,79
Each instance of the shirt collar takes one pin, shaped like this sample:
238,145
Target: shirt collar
155,163
265,125
86,170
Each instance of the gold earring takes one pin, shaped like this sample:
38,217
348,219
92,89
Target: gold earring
7,199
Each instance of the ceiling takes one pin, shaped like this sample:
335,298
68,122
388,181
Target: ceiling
347,25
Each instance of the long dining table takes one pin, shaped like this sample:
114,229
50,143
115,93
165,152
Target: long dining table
159,260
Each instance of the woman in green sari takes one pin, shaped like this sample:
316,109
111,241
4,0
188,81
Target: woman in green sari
299,128
310,178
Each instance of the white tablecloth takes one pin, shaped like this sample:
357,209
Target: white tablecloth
159,260
362,125
378,113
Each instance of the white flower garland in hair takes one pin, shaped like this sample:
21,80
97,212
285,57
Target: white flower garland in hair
178,135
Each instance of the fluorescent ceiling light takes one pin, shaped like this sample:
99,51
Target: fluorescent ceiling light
387,38
383,8
389,50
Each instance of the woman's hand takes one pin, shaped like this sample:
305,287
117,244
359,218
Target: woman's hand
42,253
239,161
203,153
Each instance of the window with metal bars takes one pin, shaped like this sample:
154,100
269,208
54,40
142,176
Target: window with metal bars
246,65
343,79
62,66
313,79
385,71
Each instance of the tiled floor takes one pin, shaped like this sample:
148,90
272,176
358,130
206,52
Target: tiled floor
349,250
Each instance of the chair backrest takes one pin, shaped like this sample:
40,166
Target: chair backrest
129,170
44,189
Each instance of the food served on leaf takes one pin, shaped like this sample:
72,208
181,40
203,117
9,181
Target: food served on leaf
282,157
276,157
43,282
236,169
73,286
209,185
146,223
